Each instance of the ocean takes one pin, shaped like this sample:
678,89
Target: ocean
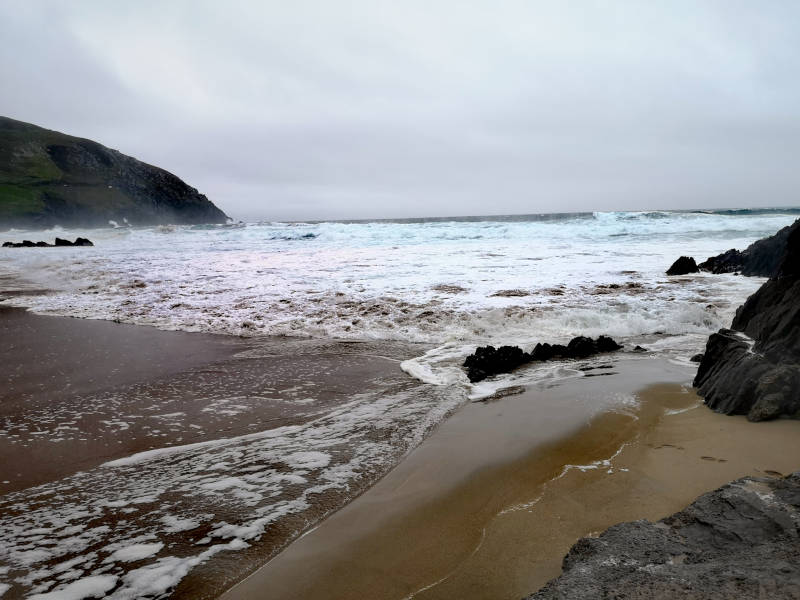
441,286
450,283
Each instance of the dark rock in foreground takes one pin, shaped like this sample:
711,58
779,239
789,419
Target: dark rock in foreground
761,258
740,541
60,243
754,368
488,360
683,266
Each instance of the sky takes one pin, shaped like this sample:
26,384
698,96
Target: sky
344,109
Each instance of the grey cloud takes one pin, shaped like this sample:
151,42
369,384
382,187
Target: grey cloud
315,110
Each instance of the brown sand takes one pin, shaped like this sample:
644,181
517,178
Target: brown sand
469,515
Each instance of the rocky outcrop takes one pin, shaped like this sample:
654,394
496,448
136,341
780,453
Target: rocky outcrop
48,178
683,266
488,360
740,541
754,367
60,243
761,258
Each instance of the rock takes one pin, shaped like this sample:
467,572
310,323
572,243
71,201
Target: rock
761,258
739,541
727,262
754,367
697,357
682,266
59,243
488,360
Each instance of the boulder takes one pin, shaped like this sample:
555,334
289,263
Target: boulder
739,541
753,368
62,242
683,266
761,258
488,360
82,242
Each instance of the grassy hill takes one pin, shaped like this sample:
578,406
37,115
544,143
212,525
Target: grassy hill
49,178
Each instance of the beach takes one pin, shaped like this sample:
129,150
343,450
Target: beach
470,514
281,410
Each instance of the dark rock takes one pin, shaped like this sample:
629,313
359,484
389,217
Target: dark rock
761,258
639,349
739,541
682,266
59,243
488,360
581,347
727,262
697,358
754,368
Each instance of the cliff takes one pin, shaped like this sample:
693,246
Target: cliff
754,367
49,178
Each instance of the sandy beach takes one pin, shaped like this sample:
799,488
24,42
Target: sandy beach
489,505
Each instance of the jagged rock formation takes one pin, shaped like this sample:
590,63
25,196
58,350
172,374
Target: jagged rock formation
754,367
60,243
740,541
488,360
761,258
49,178
682,266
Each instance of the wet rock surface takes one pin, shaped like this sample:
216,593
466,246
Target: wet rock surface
59,243
683,266
754,367
488,360
761,258
740,541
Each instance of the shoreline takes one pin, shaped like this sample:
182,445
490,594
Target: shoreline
213,398
484,483
502,530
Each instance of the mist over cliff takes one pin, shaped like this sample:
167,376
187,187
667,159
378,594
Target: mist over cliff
49,178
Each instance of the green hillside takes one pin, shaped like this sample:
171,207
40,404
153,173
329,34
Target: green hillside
49,178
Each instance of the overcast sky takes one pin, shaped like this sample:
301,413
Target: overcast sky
335,109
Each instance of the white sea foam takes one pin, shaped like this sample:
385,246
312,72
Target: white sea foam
452,285
95,586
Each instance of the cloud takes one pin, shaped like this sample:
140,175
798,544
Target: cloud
321,110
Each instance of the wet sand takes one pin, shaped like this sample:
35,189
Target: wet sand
76,393
80,393
488,506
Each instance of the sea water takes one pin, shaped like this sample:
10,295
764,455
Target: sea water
448,284
452,284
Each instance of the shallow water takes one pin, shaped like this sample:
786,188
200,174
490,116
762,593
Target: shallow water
454,284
